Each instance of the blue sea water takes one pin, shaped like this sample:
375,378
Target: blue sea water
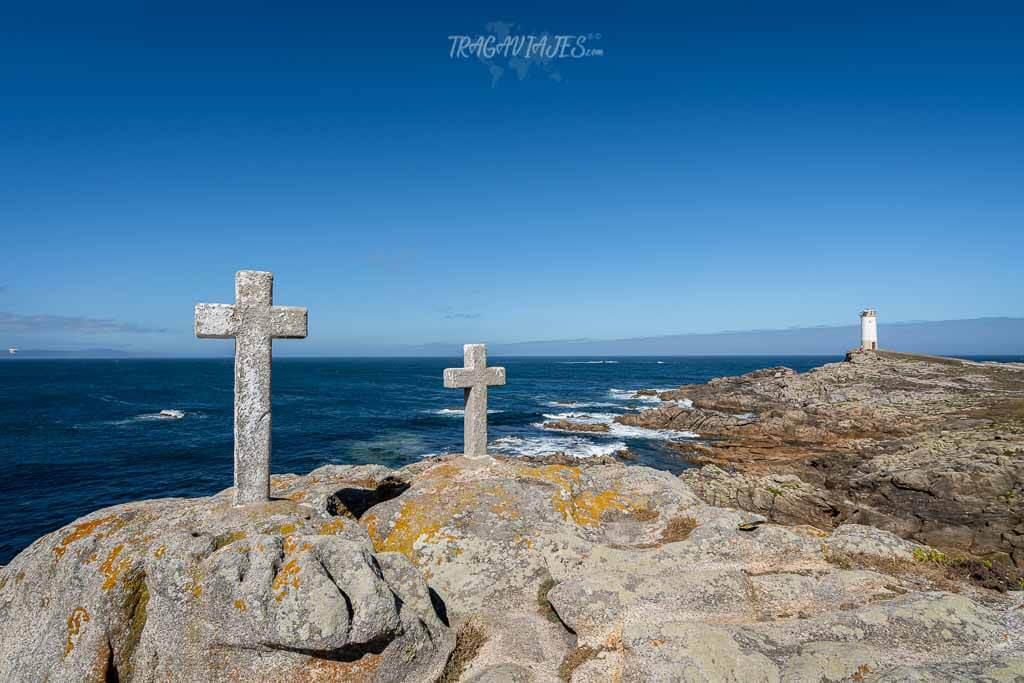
78,435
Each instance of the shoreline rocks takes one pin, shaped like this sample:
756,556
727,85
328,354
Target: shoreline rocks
929,448
454,569
569,426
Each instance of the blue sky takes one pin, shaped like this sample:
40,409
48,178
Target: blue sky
741,166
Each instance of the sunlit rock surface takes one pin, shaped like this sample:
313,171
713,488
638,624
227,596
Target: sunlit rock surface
460,570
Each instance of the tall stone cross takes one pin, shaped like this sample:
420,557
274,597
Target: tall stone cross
254,322
474,379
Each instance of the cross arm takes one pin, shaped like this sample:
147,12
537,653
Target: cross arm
460,378
463,378
215,321
495,376
289,322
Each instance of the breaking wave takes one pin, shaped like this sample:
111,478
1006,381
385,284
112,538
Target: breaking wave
582,404
614,428
575,446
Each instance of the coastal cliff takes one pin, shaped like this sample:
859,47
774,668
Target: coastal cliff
519,570
929,448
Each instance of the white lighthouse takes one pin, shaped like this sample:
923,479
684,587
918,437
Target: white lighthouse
868,330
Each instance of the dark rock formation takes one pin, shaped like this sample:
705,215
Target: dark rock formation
929,448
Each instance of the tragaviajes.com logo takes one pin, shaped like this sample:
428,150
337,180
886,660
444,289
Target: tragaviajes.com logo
504,47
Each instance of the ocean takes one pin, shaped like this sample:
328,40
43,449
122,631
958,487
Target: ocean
78,435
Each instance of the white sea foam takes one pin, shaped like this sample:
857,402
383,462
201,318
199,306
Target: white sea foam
576,446
631,395
614,428
582,404
457,412
630,432
149,417
585,418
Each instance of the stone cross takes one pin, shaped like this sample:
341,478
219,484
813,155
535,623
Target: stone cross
474,380
254,322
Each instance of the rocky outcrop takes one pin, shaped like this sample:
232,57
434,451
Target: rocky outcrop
510,570
195,589
929,448
569,426
782,498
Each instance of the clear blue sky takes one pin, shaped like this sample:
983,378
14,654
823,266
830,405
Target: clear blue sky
722,166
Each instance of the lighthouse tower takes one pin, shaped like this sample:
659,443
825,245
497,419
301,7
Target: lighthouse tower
868,330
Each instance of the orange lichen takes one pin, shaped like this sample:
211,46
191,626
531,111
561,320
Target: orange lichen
291,545
85,529
505,507
332,528
240,605
371,528
560,475
112,567
587,508
527,543
417,521
445,470
287,576
78,617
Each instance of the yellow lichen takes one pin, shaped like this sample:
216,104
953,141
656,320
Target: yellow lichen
78,617
287,528
240,605
287,576
445,470
527,543
332,528
85,529
159,552
228,538
197,590
560,475
113,567
505,507
291,545
587,508
418,521
371,528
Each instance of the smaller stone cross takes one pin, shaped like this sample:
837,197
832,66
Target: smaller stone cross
474,379
254,322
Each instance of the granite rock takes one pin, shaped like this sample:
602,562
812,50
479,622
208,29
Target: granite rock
462,569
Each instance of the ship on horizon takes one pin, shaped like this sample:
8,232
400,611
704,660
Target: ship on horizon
13,351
